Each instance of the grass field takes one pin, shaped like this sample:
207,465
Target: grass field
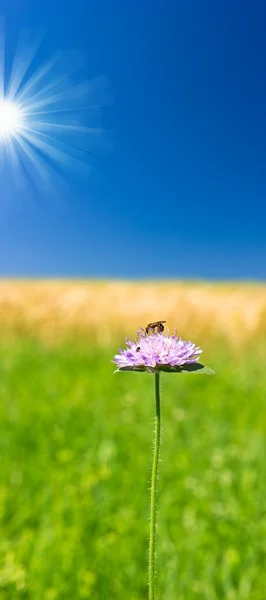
76,448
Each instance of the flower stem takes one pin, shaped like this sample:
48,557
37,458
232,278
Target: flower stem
156,451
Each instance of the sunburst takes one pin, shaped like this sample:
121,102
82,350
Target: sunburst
11,119
49,113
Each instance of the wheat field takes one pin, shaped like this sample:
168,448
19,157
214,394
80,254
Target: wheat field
50,310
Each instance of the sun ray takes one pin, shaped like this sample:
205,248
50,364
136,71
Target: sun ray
38,75
72,93
38,162
60,79
2,58
50,116
26,50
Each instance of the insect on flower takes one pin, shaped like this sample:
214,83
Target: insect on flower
159,351
157,326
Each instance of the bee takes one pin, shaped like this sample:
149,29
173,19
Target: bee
157,326
138,349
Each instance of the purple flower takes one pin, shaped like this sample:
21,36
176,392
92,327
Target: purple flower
157,352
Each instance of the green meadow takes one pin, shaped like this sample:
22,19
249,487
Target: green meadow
76,450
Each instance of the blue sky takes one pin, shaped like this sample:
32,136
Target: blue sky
181,190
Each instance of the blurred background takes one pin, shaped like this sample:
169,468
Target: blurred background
132,189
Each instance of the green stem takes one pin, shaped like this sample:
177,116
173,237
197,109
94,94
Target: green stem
156,451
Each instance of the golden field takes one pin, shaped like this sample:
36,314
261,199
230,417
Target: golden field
51,310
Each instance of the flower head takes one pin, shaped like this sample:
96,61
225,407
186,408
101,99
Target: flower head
157,352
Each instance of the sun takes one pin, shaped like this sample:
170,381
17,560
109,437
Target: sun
11,119
50,117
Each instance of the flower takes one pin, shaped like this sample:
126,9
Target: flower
158,352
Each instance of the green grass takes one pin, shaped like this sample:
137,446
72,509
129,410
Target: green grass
75,445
